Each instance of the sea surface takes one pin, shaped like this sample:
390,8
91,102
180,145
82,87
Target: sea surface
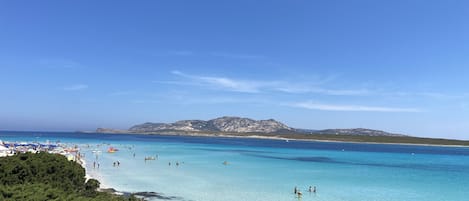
268,170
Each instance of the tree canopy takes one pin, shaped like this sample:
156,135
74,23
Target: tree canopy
44,176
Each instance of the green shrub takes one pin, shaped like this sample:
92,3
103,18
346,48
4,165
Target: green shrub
43,176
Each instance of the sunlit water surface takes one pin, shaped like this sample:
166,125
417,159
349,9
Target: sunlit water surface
268,170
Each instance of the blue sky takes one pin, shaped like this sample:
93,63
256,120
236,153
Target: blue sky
398,66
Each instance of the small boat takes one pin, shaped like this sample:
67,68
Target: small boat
112,150
150,158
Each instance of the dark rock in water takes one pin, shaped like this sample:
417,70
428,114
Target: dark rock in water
146,194
143,195
155,195
107,190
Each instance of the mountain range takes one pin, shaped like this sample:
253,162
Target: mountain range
239,125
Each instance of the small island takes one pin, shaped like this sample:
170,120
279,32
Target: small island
272,129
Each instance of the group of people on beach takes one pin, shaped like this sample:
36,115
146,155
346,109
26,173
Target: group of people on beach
116,163
297,192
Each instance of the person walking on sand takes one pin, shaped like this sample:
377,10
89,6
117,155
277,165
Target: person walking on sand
295,190
314,189
118,163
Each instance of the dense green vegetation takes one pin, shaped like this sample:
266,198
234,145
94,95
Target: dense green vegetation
43,176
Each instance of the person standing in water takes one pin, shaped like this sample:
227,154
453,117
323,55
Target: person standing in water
299,194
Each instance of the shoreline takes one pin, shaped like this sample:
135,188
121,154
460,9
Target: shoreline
254,136
337,141
106,187
280,136
90,174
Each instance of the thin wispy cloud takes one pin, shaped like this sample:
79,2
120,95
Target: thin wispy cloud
220,100
224,83
318,90
350,108
76,87
425,95
438,95
318,87
251,86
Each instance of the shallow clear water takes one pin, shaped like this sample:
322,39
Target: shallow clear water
268,170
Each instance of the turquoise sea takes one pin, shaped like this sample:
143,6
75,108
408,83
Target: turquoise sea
268,170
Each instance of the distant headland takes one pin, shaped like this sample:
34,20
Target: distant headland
272,129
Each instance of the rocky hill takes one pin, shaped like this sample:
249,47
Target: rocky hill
240,125
222,124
